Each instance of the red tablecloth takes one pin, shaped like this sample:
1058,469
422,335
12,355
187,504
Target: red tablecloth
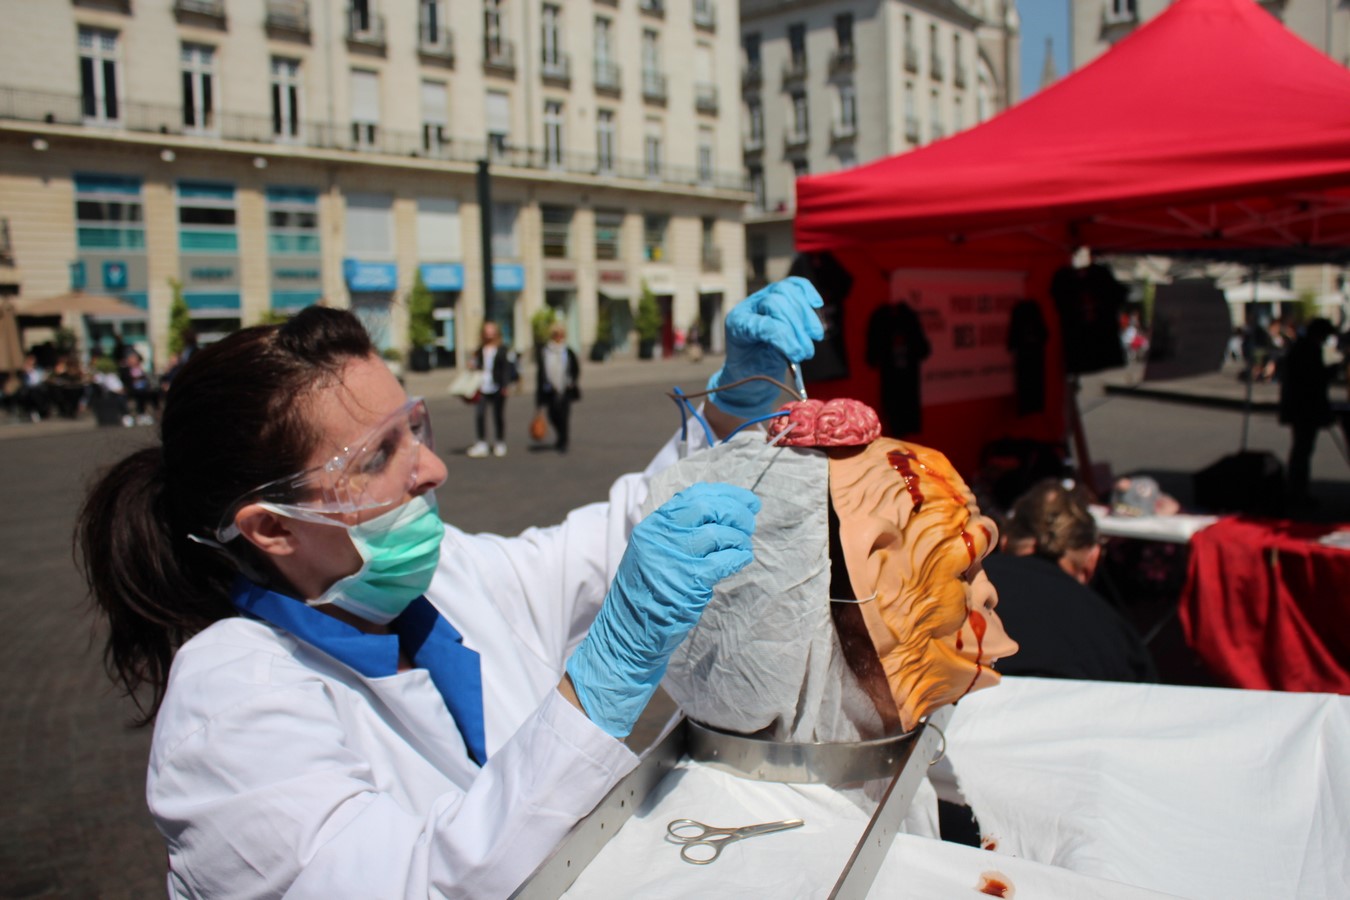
1267,607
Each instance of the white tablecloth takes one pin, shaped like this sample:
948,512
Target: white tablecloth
1089,790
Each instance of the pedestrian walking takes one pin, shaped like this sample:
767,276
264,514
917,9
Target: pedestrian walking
556,389
500,372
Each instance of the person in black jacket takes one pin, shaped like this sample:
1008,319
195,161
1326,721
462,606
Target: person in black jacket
1304,404
498,365
1064,629
555,387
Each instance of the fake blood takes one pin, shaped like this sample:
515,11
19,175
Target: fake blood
995,884
979,626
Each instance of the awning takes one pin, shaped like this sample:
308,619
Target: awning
78,302
616,291
1263,292
712,288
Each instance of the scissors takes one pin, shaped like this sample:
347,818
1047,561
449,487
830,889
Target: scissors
695,834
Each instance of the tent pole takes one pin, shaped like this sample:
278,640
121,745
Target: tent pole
1255,275
1080,446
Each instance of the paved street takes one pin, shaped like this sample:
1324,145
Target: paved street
76,824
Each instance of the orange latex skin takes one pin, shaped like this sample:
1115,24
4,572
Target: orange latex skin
912,534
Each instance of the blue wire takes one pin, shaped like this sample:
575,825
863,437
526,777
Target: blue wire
687,410
756,421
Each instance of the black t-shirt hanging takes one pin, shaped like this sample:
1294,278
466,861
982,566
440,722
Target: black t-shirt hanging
1089,303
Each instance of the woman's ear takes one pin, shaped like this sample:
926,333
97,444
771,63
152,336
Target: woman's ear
265,530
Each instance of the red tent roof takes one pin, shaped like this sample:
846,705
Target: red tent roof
1211,129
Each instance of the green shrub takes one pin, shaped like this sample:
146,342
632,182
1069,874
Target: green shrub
648,321
421,321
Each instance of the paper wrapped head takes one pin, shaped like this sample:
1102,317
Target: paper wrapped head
849,516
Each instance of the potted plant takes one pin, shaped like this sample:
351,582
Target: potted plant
604,329
421,326
648,322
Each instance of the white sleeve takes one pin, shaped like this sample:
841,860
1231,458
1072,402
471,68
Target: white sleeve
547,583
268,799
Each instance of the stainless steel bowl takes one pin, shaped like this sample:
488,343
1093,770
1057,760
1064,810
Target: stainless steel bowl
815,763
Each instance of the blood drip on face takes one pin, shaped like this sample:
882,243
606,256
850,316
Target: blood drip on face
979,626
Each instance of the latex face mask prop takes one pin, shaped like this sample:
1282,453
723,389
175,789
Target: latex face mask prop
912,539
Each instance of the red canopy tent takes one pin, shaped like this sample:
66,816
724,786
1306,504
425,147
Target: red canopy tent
1211,130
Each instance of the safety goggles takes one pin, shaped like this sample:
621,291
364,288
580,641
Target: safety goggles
376,471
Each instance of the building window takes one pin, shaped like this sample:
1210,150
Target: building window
429,21
604,140
935,123
108,213
557,231
911,114
797,45
360,16
755,118
800,167
608,234
652,76
958,115
198,87
498,106
504,244
705,156
365,108
761,201
754,71
98,75
934,54
551,24
292,221
606,69
493,37
439,232
911,50
843,31
651,149
285,98
1120,11
654,237
801,125
848,109
709,252
207,218
435,116
293,244
553,134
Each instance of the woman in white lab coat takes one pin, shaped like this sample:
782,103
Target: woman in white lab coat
351,698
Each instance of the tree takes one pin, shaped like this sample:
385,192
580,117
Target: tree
648,322
540,323
180,318
421,321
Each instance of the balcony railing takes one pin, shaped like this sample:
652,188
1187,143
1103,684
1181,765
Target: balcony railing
911,58
959,74
711,258
841,60
436,43
705,98
841,132
499,56
705,15
796,140
935,67
752,77
556,69
166,121
214,10
754,143
290,16
912,129
607,77
794,69
1119,12
653,8
365,29
654,87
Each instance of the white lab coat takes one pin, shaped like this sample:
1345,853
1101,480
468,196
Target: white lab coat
276,770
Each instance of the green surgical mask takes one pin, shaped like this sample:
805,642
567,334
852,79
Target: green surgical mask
399,550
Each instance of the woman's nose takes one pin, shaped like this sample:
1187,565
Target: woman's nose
431,471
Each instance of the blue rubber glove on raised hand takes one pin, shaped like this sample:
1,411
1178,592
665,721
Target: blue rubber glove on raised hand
665,579
765,332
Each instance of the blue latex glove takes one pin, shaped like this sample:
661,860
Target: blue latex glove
765,332
665,579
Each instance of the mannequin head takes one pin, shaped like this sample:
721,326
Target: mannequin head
913,538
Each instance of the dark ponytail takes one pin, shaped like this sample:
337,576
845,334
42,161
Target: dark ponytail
236,417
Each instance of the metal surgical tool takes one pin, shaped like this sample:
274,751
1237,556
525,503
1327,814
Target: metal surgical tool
694,835
797,381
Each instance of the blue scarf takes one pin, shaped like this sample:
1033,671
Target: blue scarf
420,632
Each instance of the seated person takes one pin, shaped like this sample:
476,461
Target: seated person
1064,628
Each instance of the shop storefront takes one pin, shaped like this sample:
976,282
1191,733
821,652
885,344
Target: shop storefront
446,282
372,286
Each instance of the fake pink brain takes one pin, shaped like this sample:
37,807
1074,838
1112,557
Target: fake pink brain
826,423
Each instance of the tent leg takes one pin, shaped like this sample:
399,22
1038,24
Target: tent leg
1254,275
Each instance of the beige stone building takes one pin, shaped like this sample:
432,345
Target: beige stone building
1096,25
268,154
833,83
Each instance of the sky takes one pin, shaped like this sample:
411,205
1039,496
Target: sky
1042,18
